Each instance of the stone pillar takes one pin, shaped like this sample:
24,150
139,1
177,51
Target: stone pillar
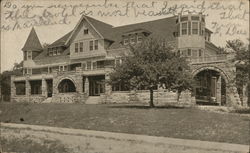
44,87
213,87
108,87
86,86
218,90
79,84
12,87
27,88
244,95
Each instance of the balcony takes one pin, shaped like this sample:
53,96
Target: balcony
208,59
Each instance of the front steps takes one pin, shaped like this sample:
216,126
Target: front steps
93,100
48,100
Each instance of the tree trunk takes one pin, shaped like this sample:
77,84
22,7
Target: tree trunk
178,96
151,102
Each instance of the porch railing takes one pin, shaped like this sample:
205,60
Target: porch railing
208,59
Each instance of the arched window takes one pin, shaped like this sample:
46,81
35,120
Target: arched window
66,85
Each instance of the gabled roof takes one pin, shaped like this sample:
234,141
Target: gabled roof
103,29
32,42
61,41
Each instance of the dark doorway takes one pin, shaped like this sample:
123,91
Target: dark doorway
96,85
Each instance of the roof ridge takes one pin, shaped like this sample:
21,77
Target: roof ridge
143,22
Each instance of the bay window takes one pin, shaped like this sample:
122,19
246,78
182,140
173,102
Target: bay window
184,28
194,27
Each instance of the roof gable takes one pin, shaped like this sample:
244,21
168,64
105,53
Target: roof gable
32,42
101,28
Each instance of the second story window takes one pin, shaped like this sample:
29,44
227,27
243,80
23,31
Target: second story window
76,47
29,55
91,45
200,52
88,65
194,27
189,52
81,46
96,44
184,28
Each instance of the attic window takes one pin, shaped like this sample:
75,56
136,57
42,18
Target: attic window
86,31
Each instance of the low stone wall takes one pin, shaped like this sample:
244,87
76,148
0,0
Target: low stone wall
30,99
68,98
143,96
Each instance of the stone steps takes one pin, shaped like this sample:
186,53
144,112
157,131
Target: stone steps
48,100
93,100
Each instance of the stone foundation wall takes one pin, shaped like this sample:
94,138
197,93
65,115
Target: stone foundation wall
30,99
160,97
69,98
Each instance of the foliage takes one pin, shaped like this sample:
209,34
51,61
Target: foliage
242,58
151,64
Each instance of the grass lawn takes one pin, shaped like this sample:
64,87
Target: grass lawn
177,122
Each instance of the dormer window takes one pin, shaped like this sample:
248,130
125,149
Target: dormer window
132,40
86,31
139,39
125,41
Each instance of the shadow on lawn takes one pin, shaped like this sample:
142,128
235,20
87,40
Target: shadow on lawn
148,107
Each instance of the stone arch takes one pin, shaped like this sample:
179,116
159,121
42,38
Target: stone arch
214,68
65,85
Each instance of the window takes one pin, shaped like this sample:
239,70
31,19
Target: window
29,71
81,46
125,41
25,55
96,44
189,52
94,65
91,45
195,18
139,39
58,51
83,66
184,18
89,65
76,47
86,31
29,56
200,52
117,62
132,40
54,51
194,27
100,64
184,28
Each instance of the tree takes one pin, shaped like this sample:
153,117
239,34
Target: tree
151,64
242,59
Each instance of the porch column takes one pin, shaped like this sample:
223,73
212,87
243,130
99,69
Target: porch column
86,86
218,93
108,87
213,87
44,87
12,87
27,87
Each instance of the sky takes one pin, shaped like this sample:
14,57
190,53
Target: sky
228,19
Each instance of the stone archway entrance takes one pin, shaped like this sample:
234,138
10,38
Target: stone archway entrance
210,87
66,85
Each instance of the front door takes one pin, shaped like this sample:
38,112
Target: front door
98,88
